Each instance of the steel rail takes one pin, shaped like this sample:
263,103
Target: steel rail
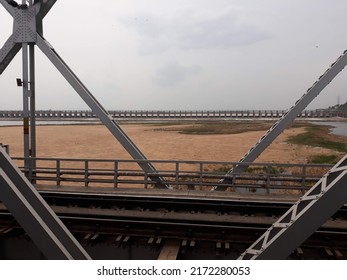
164,203
108,224
181,229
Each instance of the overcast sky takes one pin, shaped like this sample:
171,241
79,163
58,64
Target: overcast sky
186,54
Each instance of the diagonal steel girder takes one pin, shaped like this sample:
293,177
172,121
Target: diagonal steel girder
312,210
287,119
8,52
35,216
46,6
28,29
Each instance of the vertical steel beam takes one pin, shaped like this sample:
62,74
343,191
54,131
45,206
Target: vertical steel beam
289,116
32,101
312,210
25,81
35,216
32,105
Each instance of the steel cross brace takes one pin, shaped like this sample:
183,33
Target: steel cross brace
39,221
324,199
28,29
287,118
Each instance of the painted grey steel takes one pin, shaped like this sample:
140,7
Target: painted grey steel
41,235
35,216
32,104
8,52
25,81
7,6
24,24
45,7
291,114
304,217
6,147
32,108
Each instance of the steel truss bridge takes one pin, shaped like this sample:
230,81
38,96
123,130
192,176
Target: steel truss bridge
173,114
67,224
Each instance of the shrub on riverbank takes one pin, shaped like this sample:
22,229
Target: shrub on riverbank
318,136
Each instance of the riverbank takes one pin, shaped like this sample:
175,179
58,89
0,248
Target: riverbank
159,141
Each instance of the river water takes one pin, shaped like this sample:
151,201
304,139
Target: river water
339,128
18,123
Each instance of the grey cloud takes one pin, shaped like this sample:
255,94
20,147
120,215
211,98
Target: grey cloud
193,30
173,73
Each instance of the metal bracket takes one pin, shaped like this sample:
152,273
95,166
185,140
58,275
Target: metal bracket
24,26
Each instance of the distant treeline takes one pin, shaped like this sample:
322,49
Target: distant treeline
342,107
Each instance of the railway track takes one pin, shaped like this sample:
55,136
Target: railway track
219,228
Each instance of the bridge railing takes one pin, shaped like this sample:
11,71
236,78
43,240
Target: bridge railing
178,174
161,114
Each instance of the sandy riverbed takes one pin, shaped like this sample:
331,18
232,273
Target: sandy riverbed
95,141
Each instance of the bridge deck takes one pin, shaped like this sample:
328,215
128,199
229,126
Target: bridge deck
232,196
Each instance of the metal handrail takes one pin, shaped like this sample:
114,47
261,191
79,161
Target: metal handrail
179,174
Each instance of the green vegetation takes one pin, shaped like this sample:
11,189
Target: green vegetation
318,136
257,169
165,123
265,169
219,127
222,169
342,107
315,135
323,159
